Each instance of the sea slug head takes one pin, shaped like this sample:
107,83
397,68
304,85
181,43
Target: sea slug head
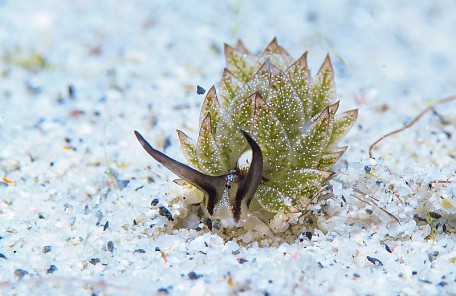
225,194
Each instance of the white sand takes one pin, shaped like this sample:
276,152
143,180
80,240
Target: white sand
66,229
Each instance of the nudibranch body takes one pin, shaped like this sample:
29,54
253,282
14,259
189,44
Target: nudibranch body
267,139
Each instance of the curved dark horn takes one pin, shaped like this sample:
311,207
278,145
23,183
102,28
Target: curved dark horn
248,186
212,186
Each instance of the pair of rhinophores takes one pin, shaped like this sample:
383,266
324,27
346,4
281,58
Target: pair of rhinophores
267,138
215,187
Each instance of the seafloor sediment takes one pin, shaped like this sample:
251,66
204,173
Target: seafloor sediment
83,209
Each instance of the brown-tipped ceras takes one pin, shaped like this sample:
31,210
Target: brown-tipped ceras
267,139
